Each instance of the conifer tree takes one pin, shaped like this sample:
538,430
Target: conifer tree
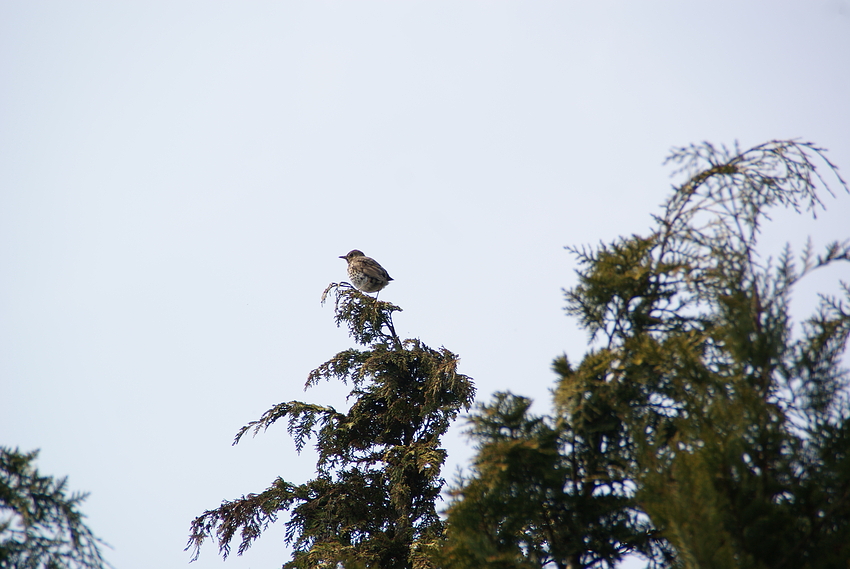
41,526
540,495
373,500
699,419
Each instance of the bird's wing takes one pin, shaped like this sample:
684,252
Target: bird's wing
371,268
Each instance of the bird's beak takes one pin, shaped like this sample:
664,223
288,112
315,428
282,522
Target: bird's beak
342,256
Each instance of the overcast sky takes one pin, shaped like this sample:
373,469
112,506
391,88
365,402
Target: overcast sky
178,180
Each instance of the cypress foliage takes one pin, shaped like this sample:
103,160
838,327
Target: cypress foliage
540,495
699,430
41,526
372,502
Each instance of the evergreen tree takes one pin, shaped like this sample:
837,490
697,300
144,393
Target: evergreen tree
372,503
41,527
699,422
541,494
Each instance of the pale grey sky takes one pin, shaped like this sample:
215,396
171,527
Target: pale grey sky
177,180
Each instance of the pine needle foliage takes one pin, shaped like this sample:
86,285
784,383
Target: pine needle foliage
378,474
699,430
41,526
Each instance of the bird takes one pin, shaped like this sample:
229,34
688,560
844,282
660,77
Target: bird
366,273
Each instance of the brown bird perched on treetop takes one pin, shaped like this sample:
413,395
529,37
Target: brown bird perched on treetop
365,272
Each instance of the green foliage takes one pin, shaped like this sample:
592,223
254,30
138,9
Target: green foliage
539,494
372,503
41,527
721,433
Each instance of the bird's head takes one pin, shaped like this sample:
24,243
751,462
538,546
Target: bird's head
351,254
